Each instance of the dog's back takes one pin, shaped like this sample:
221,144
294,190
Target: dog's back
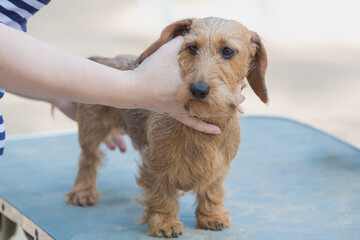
97,120
121,62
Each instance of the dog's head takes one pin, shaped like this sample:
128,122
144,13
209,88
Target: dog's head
217,54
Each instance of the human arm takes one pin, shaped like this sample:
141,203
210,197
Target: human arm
33,68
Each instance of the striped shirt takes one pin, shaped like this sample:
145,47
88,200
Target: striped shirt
2,127
15,13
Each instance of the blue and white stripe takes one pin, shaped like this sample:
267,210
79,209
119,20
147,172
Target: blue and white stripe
15,13
2,127
2,135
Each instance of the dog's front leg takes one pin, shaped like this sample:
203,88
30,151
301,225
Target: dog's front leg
162,209
211,212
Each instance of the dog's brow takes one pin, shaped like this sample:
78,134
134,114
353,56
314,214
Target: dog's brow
191,38
234,43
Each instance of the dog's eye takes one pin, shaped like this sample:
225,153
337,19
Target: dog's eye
193,49
227,52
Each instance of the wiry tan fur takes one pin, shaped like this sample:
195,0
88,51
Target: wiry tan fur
175,157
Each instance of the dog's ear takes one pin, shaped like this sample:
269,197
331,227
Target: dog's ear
257,68
170,32
105,61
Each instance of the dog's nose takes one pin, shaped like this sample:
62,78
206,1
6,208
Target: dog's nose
199,90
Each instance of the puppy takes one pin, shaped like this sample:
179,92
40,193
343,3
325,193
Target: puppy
217,54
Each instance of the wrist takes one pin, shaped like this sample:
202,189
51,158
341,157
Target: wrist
125,90
141,89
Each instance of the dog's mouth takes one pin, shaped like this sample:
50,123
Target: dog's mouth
208,99
207,109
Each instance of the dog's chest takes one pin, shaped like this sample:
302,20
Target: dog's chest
200,162
189,158
206,159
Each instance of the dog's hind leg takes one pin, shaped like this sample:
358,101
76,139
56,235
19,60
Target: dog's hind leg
92,131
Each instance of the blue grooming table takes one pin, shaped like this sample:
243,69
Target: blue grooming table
288,181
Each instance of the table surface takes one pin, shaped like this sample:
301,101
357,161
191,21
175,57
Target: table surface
288,181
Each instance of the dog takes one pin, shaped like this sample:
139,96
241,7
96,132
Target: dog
216,56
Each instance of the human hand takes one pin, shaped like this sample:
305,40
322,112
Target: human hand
240,97
66,107
113,140
163,67
159,95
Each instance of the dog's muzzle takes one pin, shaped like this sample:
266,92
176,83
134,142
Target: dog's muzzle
199,90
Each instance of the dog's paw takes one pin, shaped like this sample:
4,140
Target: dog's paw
83,198
164,226
216,222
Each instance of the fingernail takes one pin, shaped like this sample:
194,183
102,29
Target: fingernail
241,98
217,130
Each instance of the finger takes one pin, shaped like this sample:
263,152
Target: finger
173,47
238,88
240,97
67,107
170,50
120,142
109,143
199,125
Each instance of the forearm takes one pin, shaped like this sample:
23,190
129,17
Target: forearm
49,100
30,67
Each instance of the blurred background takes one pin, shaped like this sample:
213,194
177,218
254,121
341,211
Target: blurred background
313,49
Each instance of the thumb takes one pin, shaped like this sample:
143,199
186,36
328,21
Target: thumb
173,47
199,125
